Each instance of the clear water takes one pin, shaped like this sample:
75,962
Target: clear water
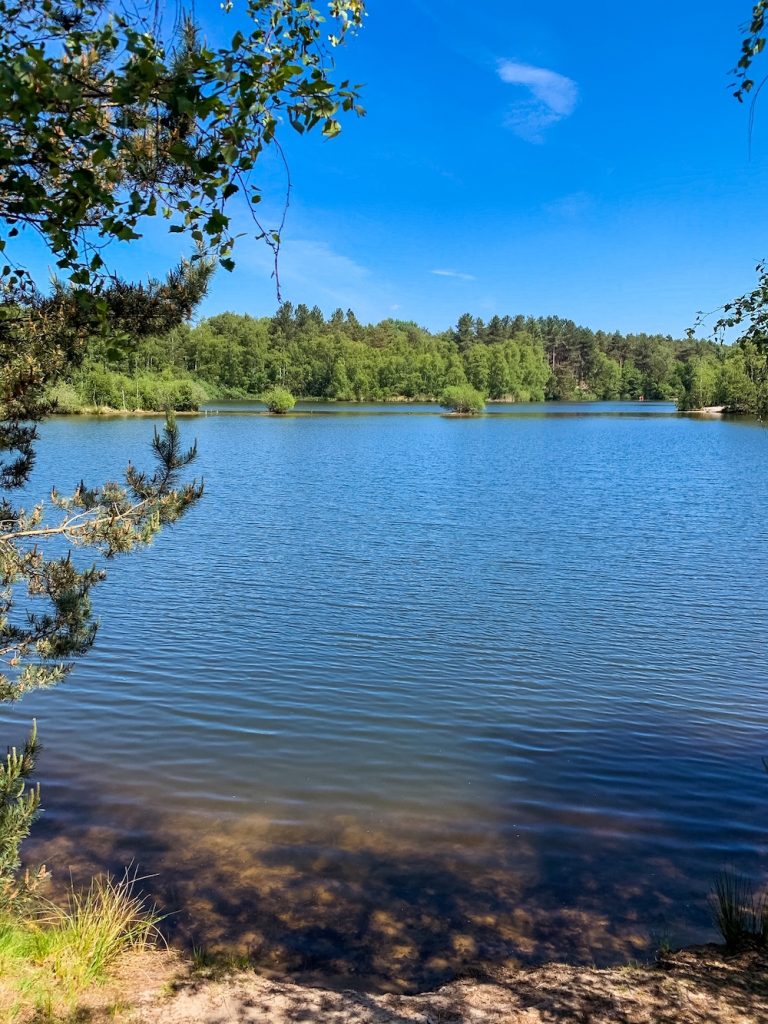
407,694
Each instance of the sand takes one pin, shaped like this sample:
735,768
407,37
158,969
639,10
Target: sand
701,984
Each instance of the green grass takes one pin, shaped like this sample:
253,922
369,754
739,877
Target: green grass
216,965
49,958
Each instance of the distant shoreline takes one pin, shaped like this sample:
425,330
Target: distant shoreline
109,412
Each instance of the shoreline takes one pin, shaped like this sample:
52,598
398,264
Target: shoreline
696,985
708,410
109,412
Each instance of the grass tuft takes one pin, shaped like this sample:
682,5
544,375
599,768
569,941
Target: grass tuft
213,966
740,915
50,958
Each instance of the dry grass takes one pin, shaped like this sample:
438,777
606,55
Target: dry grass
51,956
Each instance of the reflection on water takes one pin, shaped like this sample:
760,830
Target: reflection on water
406,694
538,409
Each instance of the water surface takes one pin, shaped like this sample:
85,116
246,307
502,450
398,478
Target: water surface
407,694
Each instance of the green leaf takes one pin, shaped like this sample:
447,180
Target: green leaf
331,128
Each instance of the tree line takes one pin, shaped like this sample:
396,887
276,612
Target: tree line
517,358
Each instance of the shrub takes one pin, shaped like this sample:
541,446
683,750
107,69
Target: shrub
99,386
463,399
65,399
180,394
279,400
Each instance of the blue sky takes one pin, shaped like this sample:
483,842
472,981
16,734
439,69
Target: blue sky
585,160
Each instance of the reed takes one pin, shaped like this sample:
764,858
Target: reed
740,914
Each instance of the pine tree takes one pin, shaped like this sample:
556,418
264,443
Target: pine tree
19,804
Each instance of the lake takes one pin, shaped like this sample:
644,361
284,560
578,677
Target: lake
405,694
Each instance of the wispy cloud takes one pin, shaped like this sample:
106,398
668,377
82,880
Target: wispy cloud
319,264
552,97
313,268
571,207
312,271
454,273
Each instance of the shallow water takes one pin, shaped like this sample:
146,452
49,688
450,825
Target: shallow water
406,694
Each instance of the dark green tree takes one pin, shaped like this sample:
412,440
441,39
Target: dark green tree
465,332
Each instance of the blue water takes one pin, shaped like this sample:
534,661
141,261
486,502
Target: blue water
406,693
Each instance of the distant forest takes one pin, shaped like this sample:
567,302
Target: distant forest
516,358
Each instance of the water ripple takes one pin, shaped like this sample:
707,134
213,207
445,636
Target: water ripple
534,640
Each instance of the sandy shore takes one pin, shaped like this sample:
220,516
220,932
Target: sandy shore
703,985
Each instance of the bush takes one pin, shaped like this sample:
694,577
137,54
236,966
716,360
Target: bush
279,400
180,395
463,399
98,386
65,399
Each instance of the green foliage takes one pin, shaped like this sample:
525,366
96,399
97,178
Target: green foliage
96,925
51,955
744,378
606,378
113,113
562,385
298,349
702,384
740,915
463,399
64,399
95,387
179,394
19,803
735,377
278,400
752,44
